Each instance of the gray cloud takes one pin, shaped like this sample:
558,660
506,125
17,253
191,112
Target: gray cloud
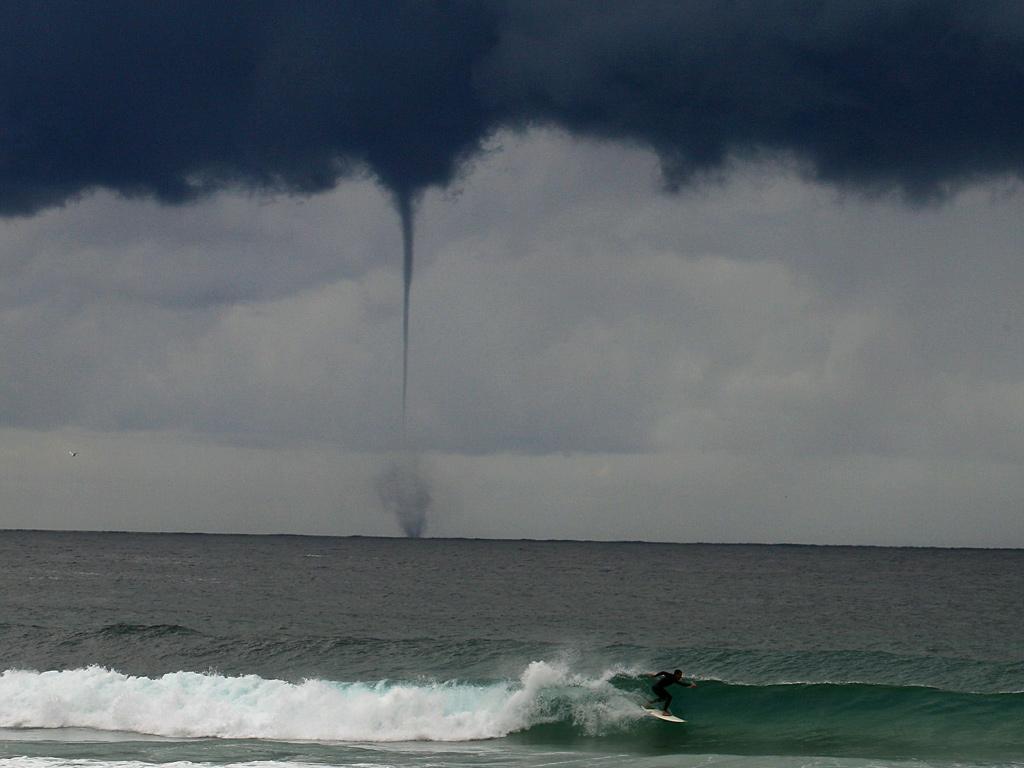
713,320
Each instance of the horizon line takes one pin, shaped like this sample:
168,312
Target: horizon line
115,532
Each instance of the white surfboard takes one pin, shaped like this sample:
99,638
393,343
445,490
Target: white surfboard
662,716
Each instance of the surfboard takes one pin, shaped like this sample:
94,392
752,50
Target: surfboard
662,716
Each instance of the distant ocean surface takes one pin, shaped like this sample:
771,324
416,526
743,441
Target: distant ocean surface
135,650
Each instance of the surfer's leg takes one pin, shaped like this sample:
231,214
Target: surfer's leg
668,700
663,700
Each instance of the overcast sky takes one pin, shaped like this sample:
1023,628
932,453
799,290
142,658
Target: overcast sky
693,272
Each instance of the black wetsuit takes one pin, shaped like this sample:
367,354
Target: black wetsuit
660,688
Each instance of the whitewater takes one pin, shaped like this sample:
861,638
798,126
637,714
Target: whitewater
196,705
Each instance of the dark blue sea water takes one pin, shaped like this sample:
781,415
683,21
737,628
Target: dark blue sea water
134,650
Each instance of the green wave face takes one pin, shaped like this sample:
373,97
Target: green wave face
840,720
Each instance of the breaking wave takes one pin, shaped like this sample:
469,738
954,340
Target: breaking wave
546,705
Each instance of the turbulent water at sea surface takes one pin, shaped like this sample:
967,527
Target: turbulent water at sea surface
134,650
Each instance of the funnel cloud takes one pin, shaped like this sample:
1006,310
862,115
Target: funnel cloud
407,213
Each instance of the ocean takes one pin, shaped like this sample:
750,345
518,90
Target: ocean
202,651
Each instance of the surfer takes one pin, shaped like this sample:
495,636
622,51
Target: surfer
660,688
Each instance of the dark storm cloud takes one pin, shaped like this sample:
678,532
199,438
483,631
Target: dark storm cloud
174,99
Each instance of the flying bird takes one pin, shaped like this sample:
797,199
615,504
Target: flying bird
72,453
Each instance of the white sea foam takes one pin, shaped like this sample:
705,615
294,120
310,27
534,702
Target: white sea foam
191,704
525,759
